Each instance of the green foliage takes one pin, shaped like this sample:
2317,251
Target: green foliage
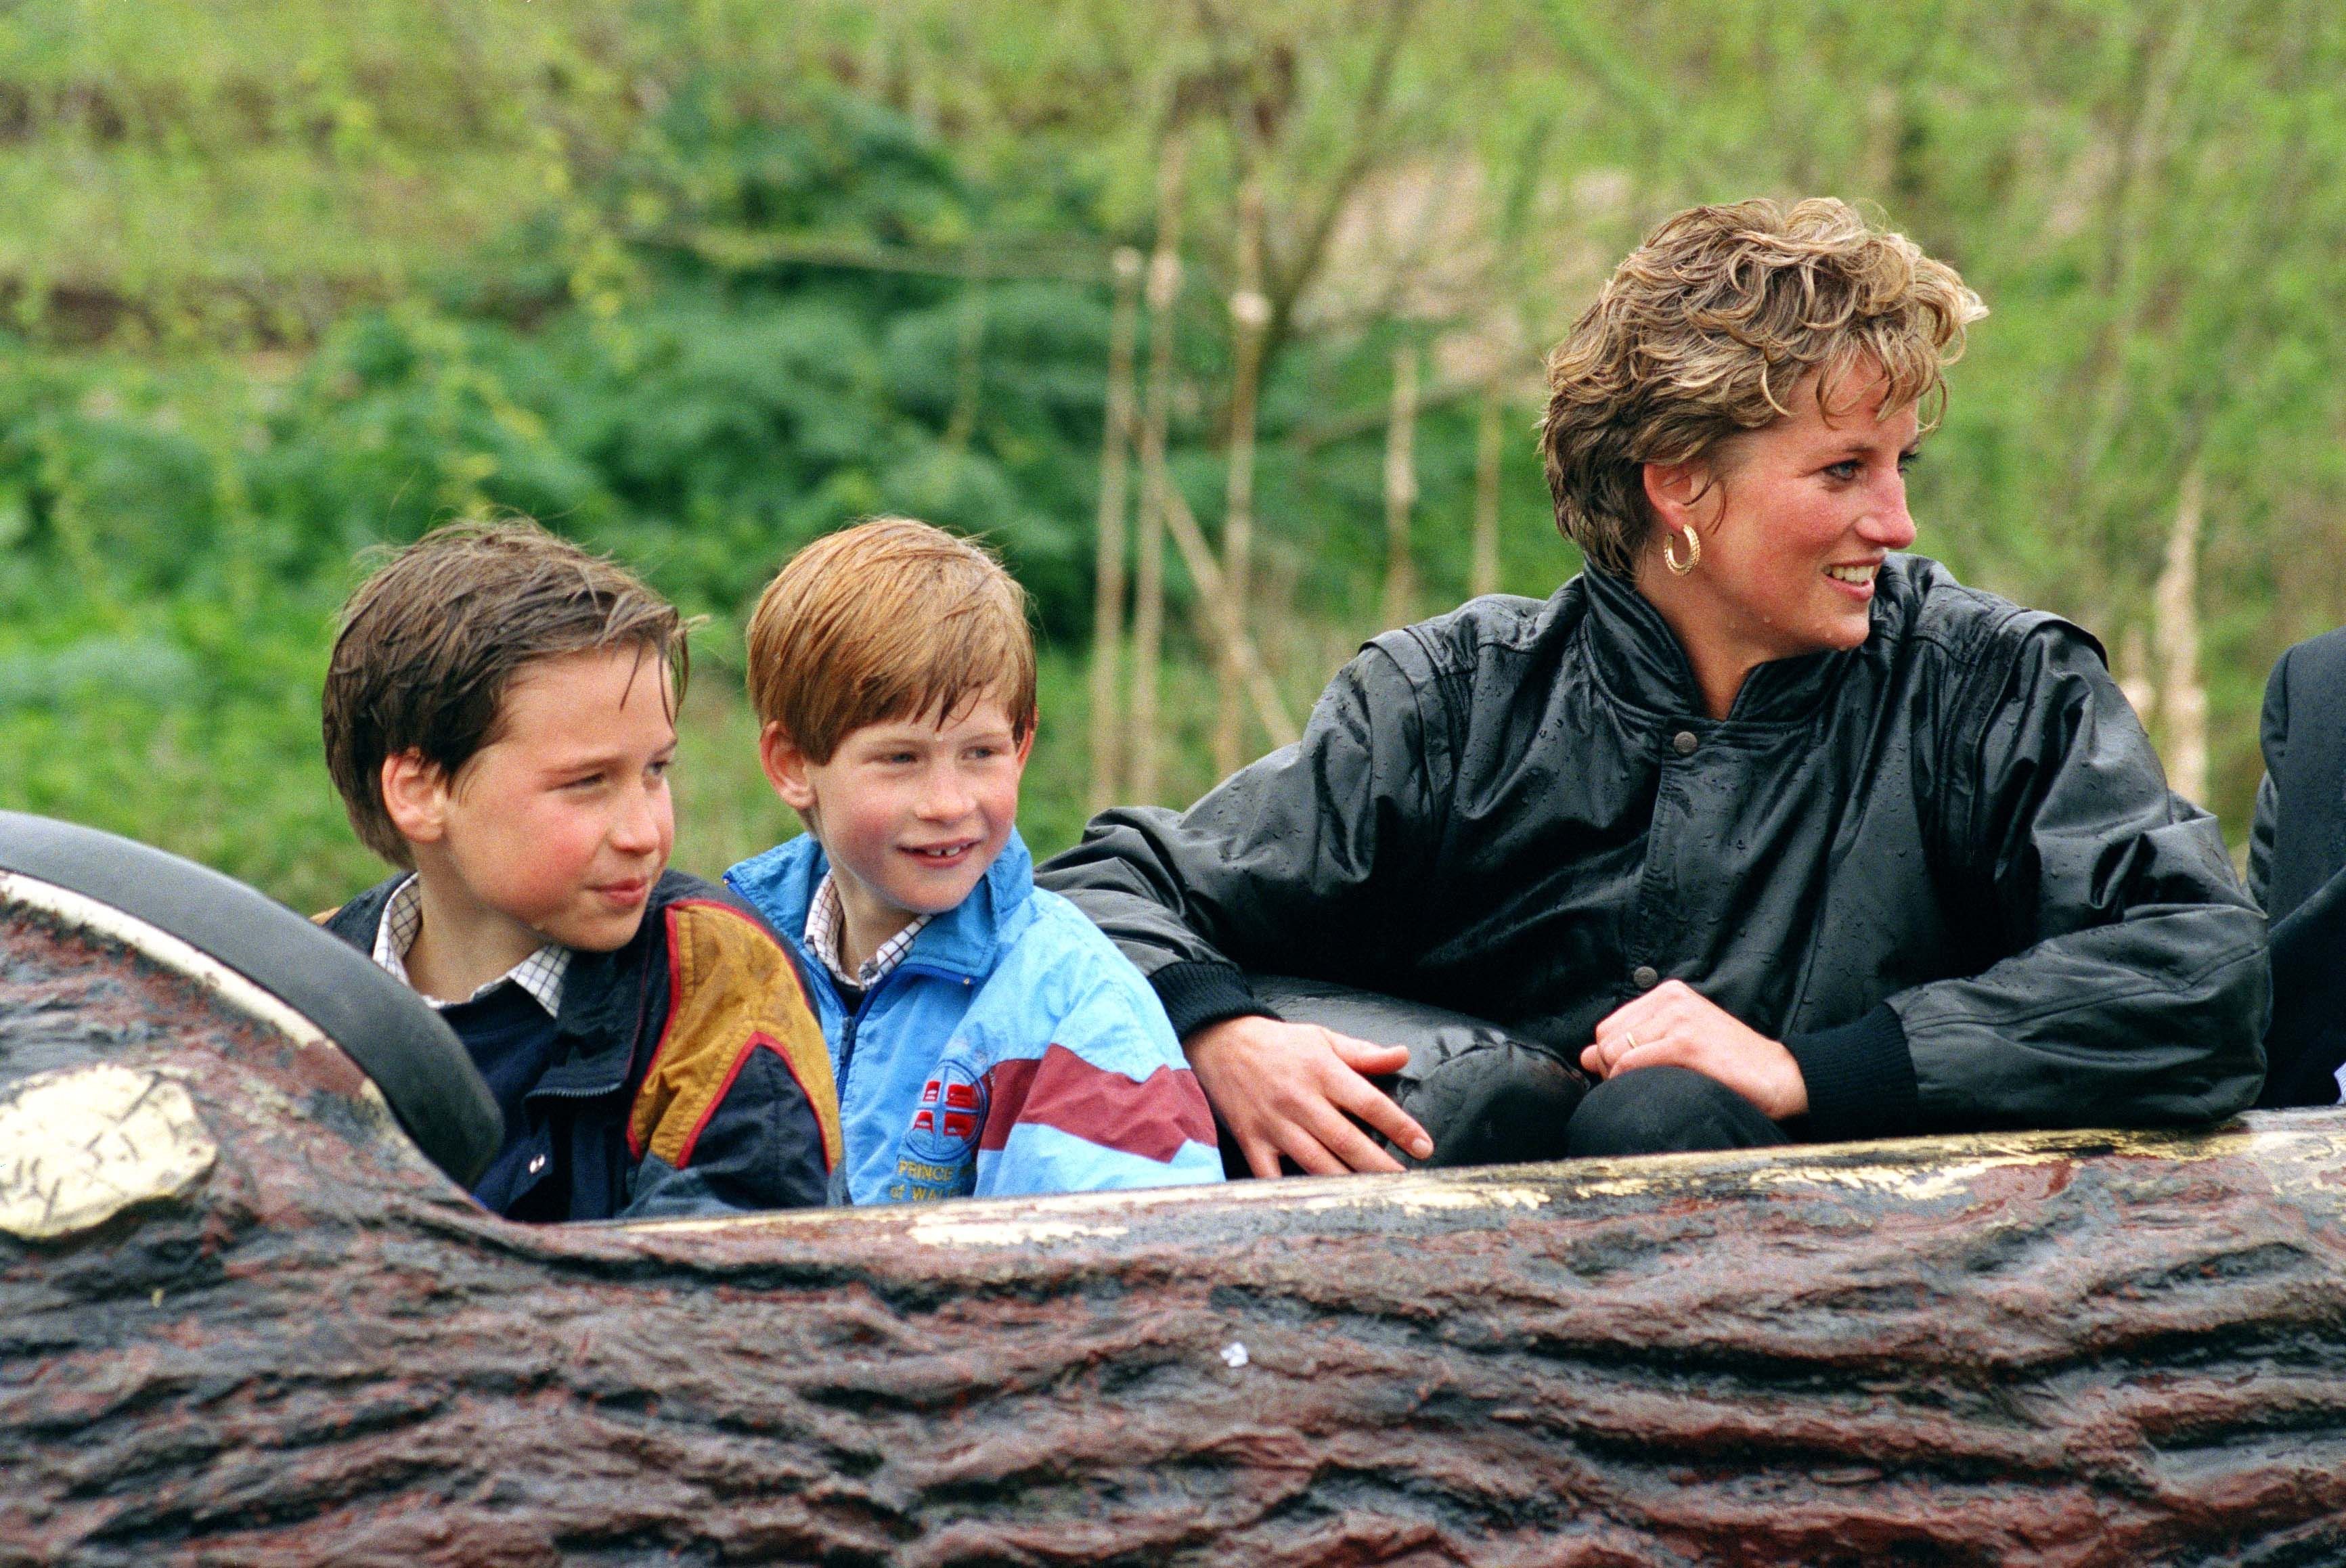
698,279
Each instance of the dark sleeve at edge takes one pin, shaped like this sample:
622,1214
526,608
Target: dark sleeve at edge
1860,1079
1197,994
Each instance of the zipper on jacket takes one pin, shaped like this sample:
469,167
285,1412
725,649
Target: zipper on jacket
855,1019
841,1193
573,1093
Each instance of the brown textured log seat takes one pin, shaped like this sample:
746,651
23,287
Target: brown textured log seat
244,1322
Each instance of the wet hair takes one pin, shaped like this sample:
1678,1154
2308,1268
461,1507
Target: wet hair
889,619
1704,331
434,636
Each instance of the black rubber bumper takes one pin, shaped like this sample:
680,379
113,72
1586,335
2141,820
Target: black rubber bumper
397,1041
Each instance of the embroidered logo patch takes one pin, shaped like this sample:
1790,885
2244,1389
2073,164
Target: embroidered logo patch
946,1122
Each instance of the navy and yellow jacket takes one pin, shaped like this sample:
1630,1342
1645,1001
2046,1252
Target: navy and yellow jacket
689,1075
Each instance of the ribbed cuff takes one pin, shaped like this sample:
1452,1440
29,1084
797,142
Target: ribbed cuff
1197,994
1860,1079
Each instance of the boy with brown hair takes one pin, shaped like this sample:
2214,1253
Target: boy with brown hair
985,1037
499,719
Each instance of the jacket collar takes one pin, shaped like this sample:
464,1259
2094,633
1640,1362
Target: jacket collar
602,1003
962,941
1639,661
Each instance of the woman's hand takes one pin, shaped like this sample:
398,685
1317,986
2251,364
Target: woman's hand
1672,1026
1286,1089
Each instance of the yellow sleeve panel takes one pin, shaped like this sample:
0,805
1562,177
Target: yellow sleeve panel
731,990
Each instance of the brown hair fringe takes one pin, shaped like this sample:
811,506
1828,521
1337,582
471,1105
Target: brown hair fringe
892,619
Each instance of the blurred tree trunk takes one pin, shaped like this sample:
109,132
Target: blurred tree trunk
2136,193
2132,669
969,364
1108,600
1148,586
2125,278
1291,275
1249,314
1401,491
1483,577
1219,627
2175,614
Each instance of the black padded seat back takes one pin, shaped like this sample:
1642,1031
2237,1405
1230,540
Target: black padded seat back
414,1057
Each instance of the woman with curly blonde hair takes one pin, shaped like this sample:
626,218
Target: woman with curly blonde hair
1777,830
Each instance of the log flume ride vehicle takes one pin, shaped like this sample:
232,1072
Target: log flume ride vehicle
247,1317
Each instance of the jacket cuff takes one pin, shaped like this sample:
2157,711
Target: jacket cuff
1196,994
1860,1079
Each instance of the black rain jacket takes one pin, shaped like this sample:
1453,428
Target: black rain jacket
2297,869
1944,868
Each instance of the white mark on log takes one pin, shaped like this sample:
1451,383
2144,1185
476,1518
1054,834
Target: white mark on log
1916,1184
943,1232
1423,1194
1415,1199
1234,1355
1919,1170
972,1222
2303,1159
1923,1185
83,1143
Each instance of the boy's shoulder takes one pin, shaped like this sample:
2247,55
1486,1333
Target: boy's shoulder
1055,936
1089,1089
1060,980
682,890
779,883
731,990
708,937
357,918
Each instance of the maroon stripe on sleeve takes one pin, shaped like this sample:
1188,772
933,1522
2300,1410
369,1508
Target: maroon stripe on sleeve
1007,1084
1152,1118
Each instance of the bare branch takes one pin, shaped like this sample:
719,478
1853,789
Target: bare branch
1286,284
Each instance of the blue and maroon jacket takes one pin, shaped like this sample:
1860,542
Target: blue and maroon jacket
1014,1049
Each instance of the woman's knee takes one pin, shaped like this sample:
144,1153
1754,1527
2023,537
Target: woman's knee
1665,1110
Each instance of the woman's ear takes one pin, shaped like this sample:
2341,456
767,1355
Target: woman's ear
416,797
787,767
1672,489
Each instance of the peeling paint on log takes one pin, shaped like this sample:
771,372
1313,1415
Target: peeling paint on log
2074,1348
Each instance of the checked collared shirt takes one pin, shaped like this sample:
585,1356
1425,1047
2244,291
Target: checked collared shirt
826,925
540,974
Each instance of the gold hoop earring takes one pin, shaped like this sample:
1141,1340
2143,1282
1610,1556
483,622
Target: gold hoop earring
1693,555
